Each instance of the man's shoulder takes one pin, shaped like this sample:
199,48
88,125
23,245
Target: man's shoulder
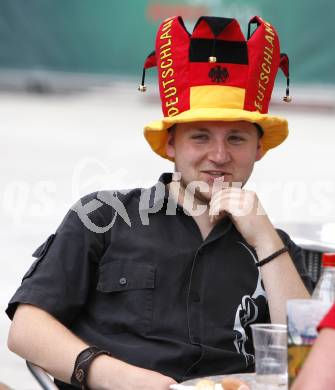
105,203
99,208
104,195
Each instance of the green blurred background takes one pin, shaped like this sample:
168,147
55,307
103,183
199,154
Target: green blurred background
109,37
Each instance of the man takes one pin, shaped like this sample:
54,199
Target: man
165,282
318,370
4,387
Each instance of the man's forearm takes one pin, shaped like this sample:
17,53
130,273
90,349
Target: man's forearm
280,277
39,338
318,370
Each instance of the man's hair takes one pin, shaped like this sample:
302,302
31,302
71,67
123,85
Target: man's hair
172,128
259,130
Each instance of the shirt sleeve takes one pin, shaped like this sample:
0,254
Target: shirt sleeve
329,320
66,266
297,256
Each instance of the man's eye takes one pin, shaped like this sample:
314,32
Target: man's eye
200,137
236,139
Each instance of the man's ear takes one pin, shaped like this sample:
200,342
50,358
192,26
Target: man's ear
259,152
169,145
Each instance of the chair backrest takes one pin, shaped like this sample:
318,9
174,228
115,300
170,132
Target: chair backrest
314,239
312,253
42,377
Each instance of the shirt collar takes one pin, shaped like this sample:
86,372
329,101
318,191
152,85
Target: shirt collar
158,193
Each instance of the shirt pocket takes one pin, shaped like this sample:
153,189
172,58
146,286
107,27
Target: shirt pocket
125,297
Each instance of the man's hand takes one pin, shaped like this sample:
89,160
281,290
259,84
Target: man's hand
137,378
246,213
107,373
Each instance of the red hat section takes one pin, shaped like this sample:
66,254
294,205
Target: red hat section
183,61
264,57
172,54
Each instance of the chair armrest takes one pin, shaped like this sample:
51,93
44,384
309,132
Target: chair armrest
41,376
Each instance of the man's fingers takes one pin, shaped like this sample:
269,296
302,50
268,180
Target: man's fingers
234,204
231,191
225,198
216,211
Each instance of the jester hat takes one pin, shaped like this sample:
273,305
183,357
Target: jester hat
215,74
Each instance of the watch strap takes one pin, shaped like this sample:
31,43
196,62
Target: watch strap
82,365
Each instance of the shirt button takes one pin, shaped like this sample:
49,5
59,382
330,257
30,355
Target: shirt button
195,297
123,281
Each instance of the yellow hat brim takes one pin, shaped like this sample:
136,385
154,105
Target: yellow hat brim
275,128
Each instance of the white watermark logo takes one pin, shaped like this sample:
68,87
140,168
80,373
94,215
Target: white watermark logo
23,201
223,197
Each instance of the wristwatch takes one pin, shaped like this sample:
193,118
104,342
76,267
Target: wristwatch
82,365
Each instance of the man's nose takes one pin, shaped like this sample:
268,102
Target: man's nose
219,153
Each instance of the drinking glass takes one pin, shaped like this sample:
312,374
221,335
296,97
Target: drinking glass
270,344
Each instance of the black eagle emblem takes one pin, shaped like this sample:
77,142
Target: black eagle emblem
218,74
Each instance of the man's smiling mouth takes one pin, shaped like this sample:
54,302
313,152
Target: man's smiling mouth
216,173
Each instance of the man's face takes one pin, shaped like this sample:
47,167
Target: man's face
205,151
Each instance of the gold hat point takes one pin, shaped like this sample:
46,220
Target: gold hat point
212,59
142,88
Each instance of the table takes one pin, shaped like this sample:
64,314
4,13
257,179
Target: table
249,378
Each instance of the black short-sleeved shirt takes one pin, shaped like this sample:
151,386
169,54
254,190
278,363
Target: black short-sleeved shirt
127,275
